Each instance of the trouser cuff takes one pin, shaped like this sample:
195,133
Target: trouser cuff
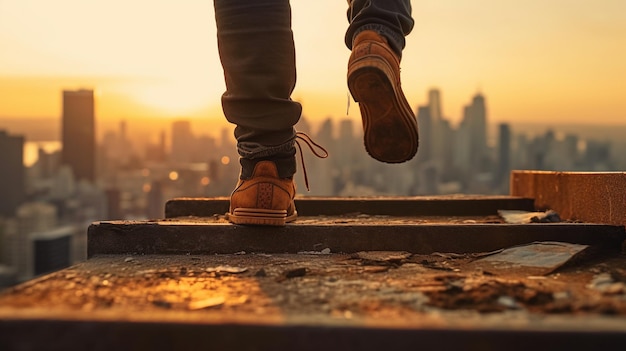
286,166
395,40
282,155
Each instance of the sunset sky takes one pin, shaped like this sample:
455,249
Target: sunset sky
534,60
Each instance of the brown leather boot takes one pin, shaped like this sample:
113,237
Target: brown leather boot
389,124
264,199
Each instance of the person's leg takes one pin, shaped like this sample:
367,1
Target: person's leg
256,49
391,18
376,37
257,53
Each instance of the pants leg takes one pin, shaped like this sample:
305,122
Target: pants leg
390,18
257,53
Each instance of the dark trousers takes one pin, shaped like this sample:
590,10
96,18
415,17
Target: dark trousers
257,53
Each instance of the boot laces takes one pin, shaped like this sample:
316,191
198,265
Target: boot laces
315,148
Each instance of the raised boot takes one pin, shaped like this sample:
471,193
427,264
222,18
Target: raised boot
389,124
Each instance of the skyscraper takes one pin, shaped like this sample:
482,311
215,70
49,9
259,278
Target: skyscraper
78,133
434,104
504,155
426,133
183,142
12,177
442,142
474,125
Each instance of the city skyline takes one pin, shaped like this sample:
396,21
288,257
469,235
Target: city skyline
48,203
46,133
560,61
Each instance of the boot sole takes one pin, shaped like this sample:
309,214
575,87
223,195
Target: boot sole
257,216
390,127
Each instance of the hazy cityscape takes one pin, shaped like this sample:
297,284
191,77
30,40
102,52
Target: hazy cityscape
53,186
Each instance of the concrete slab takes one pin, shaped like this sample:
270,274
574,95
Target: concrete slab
339,234
593,197
336,302
450,205
130,296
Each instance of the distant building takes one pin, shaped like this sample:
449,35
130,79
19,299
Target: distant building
52,250
114,210
504,154
183,142
78,134
347,152
473,136
434,104
156,202
12,176
117,147
597,155
323,170
157,152
8,235
8,276
425,133
442,140
33,217
47,163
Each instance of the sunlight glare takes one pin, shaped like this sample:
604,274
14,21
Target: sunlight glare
176,97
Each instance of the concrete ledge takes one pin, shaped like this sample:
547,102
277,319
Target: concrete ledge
454,205
122,335
587,197
115,302
207,237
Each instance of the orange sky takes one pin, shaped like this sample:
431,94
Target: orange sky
537,60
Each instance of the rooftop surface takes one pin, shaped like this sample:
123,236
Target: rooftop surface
343,279
252,301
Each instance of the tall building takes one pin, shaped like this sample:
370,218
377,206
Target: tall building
462,154
471,150
12,176
476,118
434,104
78,134
426,133
504,154
183,142
441,145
